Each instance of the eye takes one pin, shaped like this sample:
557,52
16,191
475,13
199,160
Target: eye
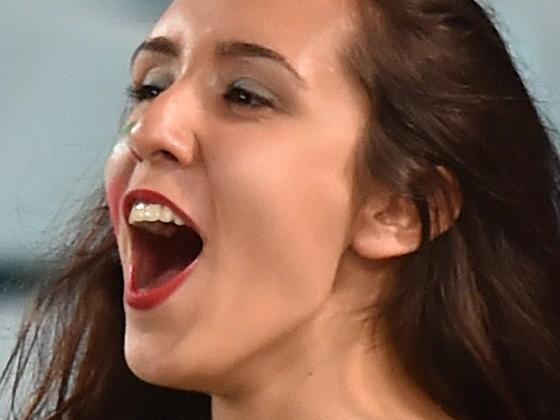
249,93
143,92
151,87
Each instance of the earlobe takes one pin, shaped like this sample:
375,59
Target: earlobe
386,228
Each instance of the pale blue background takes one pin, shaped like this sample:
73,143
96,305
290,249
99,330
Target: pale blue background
63,71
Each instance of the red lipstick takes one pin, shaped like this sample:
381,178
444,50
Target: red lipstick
145,299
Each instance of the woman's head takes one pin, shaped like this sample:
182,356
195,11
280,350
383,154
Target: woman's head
255,132
335,156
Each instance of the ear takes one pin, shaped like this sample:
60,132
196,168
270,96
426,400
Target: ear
389,226
386,227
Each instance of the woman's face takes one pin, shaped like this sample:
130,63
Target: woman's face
248,123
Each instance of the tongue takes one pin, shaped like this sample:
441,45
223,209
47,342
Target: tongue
159,259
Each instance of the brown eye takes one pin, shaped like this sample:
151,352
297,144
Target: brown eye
144,92
151,87
249,93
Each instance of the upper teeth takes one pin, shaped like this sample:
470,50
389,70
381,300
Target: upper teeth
144,212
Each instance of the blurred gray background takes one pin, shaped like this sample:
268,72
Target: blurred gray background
63,73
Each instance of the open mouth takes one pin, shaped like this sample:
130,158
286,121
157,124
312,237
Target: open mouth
164,241
161,251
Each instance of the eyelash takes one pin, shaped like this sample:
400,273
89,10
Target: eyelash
234,94
143,92
244,97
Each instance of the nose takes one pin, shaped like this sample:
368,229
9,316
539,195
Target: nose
166,130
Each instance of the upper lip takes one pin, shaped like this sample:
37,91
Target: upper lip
154,197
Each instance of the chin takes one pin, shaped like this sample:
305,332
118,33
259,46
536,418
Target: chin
165,370
146,365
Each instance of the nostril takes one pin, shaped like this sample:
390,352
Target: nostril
135,153
160,154
166,155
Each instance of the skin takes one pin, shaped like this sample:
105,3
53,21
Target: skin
275,322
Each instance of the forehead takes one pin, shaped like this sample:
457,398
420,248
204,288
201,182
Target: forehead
301,30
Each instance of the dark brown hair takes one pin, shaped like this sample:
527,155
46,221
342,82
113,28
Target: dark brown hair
474,314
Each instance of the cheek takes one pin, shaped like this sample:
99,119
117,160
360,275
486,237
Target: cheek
284,209
117,175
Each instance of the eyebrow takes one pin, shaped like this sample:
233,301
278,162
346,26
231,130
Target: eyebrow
166,46
246,49
161,45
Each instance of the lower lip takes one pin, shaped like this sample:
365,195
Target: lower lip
146,299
